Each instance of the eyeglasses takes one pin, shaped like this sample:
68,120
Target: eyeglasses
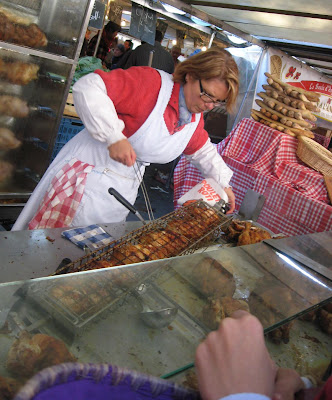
208,99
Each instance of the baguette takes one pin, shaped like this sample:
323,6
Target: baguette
294,131
281,96
296,121
272,124
304,113
312,96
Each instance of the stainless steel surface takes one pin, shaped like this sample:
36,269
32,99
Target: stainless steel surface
251,205
284,248
37,253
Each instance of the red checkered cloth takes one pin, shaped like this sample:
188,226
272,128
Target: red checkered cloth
63,196
265,161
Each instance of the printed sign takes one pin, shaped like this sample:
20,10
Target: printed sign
143,23
295,73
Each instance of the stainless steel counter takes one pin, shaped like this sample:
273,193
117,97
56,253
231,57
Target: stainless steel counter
97,313
37,253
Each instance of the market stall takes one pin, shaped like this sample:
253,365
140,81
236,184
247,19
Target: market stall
100,316
37,62
265,161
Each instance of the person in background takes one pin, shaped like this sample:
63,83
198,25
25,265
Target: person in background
85,44
162,59
118,53
175,53
128,44
107,41
233,363
133,118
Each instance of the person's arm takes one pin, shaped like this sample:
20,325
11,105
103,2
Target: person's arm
234,359
97,110
288,382
211,165
245,396
100,118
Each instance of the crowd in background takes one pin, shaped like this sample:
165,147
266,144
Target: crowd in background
114,54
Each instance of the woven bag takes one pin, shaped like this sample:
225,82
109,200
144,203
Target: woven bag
314,155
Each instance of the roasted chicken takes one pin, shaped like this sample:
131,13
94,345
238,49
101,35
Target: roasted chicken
6,171
13,106
243,232
27,35
17,72
8,388
30,354
175,236
212,279
217,309
8,140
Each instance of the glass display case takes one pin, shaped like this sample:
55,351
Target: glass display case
40,41
151,316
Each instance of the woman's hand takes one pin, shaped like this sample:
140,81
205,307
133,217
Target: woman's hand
231,199
234,359
288,382
123,152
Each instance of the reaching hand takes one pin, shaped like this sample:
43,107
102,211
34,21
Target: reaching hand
123,152
288,382
234,359
231,199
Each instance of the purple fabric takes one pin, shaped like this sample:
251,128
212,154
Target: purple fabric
323,140
75,381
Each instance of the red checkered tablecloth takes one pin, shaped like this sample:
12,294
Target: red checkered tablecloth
265,161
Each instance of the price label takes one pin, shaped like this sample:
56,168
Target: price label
143,23
97,15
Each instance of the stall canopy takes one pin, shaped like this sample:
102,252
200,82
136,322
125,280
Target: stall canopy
302,29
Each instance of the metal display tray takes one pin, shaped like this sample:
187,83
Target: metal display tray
75,305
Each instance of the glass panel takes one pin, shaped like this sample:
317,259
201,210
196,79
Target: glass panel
98,314
57,24
31,93
247,59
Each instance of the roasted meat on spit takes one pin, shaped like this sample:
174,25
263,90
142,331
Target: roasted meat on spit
17,72
13,106
27,35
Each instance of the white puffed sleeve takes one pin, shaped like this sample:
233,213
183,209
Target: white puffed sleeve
211,164
97,110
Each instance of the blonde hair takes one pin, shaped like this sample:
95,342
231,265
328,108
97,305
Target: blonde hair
215,63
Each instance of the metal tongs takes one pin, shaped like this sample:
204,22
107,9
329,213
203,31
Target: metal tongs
221,206
126,203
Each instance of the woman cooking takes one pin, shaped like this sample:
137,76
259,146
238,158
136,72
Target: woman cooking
132,118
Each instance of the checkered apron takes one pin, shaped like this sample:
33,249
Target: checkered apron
62,197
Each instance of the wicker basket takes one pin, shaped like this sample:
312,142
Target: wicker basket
314,155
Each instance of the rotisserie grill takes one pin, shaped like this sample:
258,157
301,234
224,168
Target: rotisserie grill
178,233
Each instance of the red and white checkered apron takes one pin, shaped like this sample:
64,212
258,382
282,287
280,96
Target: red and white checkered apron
62,197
